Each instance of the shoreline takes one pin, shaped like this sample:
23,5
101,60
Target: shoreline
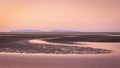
40,60
51,54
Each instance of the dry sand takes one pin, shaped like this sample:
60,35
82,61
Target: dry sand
17,60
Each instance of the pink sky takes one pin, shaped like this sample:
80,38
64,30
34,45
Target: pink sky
80,15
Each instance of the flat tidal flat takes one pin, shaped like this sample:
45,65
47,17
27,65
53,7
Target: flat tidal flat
59,51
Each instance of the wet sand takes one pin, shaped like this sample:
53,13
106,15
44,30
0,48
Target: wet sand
22,60
58,61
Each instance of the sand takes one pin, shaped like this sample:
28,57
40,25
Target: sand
57,61
22,60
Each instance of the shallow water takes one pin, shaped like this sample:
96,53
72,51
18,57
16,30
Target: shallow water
38,41
115,47
18,60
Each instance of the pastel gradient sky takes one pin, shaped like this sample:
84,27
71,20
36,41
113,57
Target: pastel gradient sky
80,15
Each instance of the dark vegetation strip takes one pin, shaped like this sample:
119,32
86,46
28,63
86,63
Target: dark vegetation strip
85,38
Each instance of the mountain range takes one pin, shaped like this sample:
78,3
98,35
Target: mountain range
33,30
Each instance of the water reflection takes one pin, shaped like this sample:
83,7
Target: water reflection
115,47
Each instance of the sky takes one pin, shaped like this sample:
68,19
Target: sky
80,15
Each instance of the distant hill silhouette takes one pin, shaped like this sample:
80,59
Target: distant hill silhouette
63,31
27,30
33,30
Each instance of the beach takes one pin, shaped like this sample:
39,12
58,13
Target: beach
24,60
19,51
59,33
